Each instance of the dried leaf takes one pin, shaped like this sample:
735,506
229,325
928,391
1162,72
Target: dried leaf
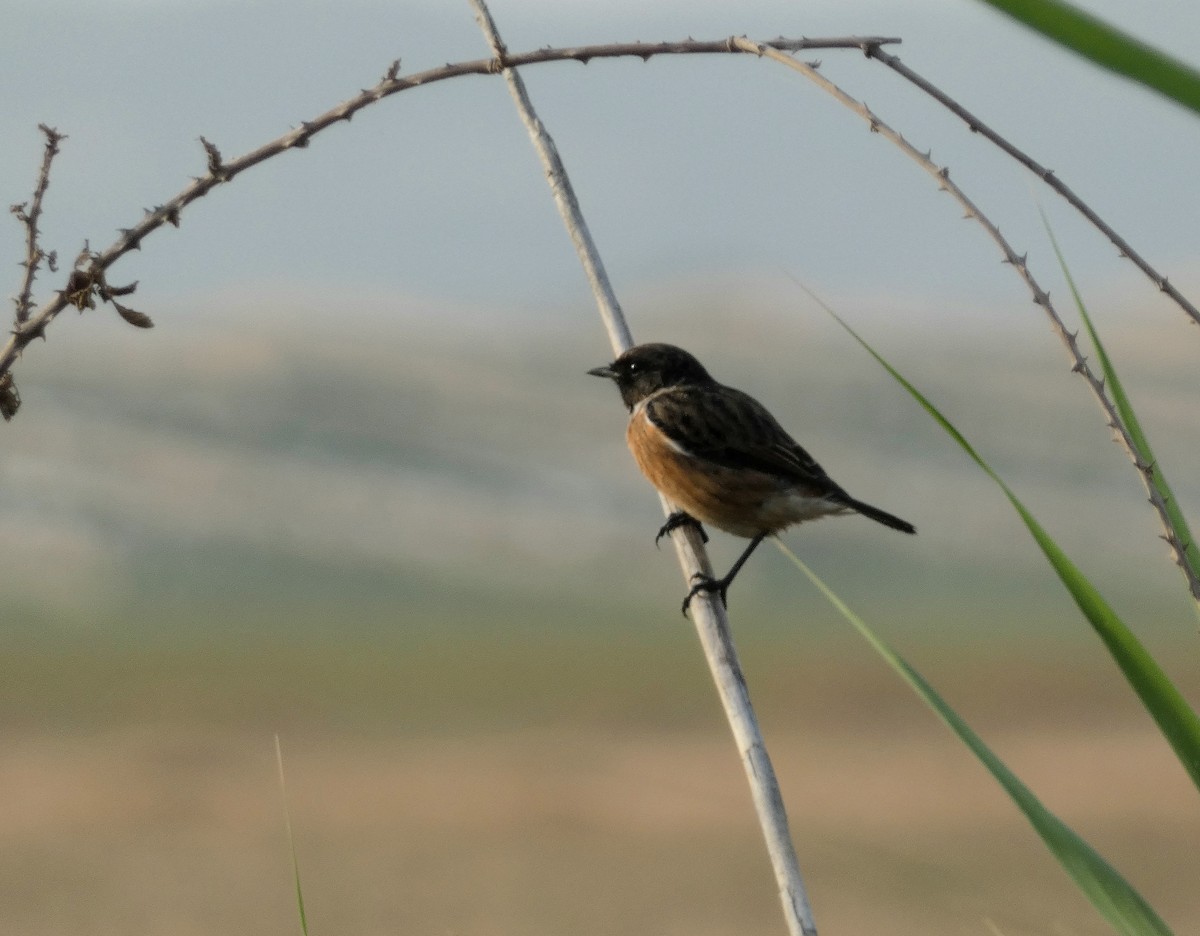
10,400
133,316
80,289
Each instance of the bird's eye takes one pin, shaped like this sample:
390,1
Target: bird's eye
631,367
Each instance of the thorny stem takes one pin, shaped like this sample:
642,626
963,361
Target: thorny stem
1040,297
92,267
1046,175
33,252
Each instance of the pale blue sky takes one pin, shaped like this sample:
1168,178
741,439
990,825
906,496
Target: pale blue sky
683,165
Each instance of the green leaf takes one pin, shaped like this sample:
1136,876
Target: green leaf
1189,551
1170,711
1113,896
287,822
1107,46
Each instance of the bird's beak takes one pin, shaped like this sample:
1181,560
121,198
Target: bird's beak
605,371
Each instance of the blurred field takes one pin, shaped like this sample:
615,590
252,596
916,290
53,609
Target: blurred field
509,782
417,549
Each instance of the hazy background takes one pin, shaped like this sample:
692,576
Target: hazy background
355,487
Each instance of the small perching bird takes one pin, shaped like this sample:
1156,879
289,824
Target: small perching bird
719,456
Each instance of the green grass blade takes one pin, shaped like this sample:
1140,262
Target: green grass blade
287,822
1188,549
1113,896
1170,711
1107,46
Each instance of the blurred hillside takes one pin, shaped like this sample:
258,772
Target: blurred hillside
269,461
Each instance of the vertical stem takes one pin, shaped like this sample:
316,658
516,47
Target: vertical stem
712,624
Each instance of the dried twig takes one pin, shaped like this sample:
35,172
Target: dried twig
1046,175
34,254
1040,296
712,624
90,272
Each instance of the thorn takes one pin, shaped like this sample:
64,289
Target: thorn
27,331
215,167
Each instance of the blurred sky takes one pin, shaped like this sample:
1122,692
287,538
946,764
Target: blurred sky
685,165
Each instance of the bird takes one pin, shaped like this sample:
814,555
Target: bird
720,457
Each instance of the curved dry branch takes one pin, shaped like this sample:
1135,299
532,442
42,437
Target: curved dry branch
1046,175
1040,297
87,281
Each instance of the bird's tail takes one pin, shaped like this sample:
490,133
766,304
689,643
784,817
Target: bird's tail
881,516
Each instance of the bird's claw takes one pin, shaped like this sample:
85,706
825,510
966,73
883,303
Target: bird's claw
676,520
706,583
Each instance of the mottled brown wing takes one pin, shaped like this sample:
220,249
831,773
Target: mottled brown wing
731,428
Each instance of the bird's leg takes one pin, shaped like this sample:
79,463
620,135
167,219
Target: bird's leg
678,519
721,586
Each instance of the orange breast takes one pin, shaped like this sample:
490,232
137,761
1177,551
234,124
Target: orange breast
737,500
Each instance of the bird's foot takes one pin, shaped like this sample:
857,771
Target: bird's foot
676,520
706,583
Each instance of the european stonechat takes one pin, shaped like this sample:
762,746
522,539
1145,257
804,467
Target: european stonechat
719,456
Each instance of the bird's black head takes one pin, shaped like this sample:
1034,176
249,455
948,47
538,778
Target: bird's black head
645,369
